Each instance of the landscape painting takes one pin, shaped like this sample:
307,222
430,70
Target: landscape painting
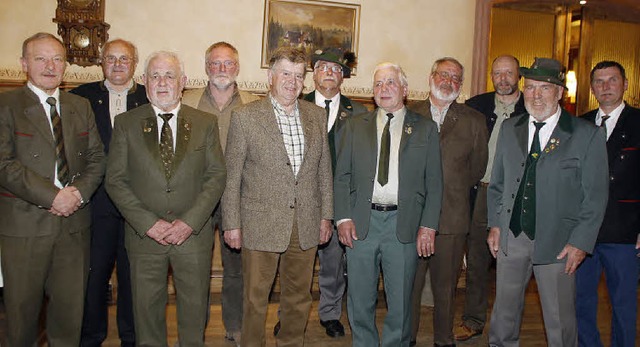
309,25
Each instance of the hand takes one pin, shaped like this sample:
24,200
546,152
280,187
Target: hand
426,242
326,229
574,256
638,245
159,230
493,240
66,202
347,233
178,233
233,238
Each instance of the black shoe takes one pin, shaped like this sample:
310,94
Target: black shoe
333,327
276,329
412,343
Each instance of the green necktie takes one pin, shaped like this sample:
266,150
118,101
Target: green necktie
603,123
166,144
385,148
61,159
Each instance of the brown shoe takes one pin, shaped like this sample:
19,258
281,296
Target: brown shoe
463,332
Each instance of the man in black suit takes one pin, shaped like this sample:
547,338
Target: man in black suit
618,241
503,103
116,94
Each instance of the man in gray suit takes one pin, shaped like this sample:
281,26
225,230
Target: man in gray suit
51,162
546,200
278,203
165,174
388,192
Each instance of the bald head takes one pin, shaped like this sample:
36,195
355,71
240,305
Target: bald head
505,74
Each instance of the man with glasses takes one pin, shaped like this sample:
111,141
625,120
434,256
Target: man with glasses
220,97
330,68
278,203
463,145
116,94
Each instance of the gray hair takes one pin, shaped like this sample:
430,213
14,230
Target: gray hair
397,68
166,54
450,60
41,36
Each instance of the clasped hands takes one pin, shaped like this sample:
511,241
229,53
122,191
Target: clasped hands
165,233
233,237
67,201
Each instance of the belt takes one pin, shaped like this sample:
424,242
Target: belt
383,208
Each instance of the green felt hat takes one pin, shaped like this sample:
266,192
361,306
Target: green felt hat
545,70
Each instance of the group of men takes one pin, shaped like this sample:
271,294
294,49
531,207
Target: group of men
284,178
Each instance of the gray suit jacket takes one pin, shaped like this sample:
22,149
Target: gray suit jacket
262,193
137,185
571,184
463,146
420,170
27,162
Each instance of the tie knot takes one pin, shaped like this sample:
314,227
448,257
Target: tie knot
51,101
605,117
390,116
166,116
327,102
539,125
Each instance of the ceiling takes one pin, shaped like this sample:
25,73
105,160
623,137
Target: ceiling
619,10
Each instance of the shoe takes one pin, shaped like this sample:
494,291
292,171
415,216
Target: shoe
233,337
276,329
462,332
412,343
333,327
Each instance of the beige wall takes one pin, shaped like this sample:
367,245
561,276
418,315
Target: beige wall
412,33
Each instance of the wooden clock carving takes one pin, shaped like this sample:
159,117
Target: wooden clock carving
83,29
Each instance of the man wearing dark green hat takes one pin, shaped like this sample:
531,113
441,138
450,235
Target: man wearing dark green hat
546,200
330,67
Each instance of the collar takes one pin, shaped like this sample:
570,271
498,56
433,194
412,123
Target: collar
109,86
319,99
174,111
42,96
613,115
551,122
280,109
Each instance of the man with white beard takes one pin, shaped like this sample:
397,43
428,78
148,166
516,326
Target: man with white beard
463,146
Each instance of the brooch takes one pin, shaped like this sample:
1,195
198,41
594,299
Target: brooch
408,129
343,115
146,130
553,144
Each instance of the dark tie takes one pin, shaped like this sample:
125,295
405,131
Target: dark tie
61,159
523,218
603,123
327,108
385,148
166,144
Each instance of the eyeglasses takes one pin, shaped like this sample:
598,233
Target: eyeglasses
217,63
123,59
447,76
333,68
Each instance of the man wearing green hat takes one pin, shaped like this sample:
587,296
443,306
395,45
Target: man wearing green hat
330,68
546,200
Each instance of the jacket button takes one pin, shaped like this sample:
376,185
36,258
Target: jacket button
611,178
291,206
288,164
508,210
169,212
35,155
168,190
517,180
513,196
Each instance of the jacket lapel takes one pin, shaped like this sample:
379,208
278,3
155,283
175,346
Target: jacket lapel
407,129
521,129
183,134
149,128
35,113
371,132
560,134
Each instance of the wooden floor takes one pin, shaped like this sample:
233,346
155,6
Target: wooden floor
532,333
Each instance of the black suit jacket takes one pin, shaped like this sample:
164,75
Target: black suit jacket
622,218
486,104
347,109
98,96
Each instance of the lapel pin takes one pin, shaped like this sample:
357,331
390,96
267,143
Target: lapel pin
147,130
343,115
100,101
408,129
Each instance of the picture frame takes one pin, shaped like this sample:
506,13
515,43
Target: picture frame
310,25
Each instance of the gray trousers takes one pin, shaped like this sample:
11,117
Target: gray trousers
331,279
231,281
557,292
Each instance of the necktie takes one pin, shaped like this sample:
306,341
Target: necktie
166,144
535,146
62,166
603,123
385,148
327,108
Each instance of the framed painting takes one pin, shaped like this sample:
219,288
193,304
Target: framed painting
309,25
